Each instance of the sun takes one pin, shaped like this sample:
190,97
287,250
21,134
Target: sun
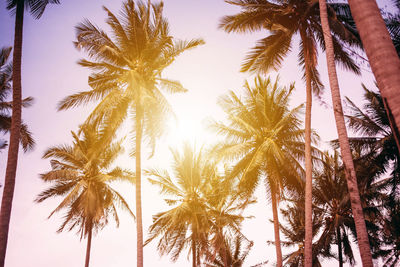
187,128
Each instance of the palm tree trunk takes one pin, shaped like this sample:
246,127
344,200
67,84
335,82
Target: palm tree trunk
362,235
194,258
198,259
12,160
88,247
225,255
226,259
308,164
278,249
139,224
382,56
339,243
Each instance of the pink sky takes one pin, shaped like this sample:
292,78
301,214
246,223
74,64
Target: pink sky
50,73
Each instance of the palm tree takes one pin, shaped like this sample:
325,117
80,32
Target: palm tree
375,198
333,220
266,139
375,141
382,56
82,175
390,235
197,218
234,255
127,78
36,8
26,139
362,235
224,210
393,25
187,222
285,18
294,231
377,156
332,200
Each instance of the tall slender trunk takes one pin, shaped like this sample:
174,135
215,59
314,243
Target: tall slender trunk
194,258
339,244
225,255
278,249
308,164
225,259
12,160
382,56
88,247
356,207
198,259
139,224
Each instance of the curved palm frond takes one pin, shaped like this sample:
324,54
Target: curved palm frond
203,207
80,174
26,139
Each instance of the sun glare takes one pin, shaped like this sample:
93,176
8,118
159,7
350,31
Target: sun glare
186,128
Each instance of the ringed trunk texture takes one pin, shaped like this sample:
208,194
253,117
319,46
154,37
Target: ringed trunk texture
382,56
139,224
12,160
278,249
88,247
356,207
308,164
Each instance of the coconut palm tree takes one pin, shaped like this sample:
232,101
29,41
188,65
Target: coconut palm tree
393,24
265,139
26,139
237,250
127,78
82,175
389,252
36,8
224,208
197,219
284,19
375,141
332,200
333,219
356,207
294,231
382,56
375,198
377,157
187,222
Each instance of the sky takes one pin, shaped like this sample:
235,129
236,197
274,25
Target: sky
50,72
